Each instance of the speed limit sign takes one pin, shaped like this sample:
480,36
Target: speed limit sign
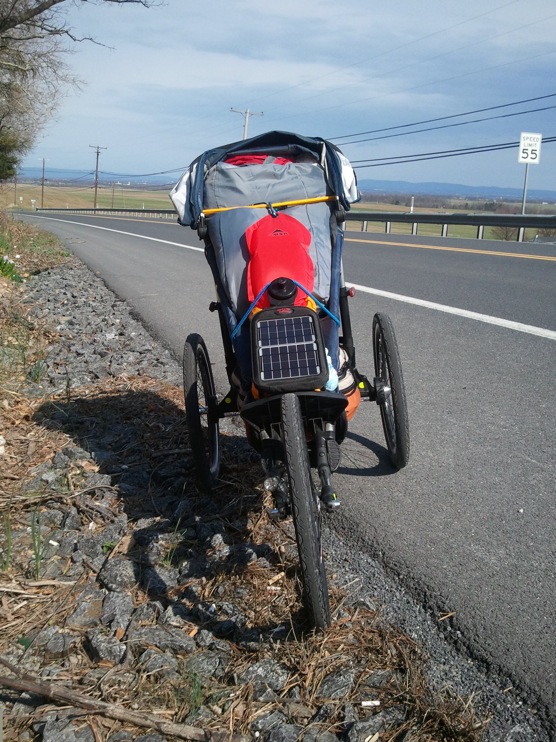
530,148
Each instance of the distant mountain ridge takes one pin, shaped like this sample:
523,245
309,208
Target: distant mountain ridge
367,186
454,190
87,176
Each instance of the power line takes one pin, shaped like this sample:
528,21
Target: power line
143,175
442,118
449,126
360,100
424,156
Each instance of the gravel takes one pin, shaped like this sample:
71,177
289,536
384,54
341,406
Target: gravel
147,615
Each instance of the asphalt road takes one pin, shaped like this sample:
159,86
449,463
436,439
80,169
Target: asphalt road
469,525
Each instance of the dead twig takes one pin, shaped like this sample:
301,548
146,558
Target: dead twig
60,694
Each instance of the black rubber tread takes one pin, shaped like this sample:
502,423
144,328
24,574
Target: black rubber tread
388,369
199,393
306,514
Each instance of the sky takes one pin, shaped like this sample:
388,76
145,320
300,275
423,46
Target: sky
159,88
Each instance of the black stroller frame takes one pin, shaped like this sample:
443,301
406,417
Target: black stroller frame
296,424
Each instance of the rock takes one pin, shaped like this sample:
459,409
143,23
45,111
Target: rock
316,734
266,723
284,733
95,481
88,610
387,720
51,517
61,645
74,453
60,460
68,543
64,731
176,615
117,609
118,573
25,704
379,678
208,664
114,531
104,647
158,581
337,684
160,664
166,638
91,547
44,636
267,677
72,521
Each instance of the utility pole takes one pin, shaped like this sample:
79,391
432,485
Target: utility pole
42,185
97,148
246,115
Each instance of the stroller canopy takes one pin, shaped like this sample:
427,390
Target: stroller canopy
188,194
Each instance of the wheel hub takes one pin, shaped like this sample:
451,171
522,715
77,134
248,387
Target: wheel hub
383,391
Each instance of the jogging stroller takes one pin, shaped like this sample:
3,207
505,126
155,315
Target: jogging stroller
270,210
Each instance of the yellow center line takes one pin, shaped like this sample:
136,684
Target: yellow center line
455,249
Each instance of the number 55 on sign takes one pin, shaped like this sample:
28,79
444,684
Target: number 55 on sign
530,148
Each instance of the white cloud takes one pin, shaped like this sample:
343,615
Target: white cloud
164,93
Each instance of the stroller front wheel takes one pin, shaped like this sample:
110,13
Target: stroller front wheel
201,411
306,513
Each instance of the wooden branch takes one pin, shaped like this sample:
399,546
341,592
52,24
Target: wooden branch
60,694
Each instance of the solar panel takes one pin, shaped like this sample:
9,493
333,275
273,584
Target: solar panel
287,348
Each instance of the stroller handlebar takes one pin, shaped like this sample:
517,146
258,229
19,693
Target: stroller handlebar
272,206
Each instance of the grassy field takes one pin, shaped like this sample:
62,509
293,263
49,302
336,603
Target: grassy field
32,195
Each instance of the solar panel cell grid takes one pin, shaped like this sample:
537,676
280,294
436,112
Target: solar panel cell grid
287,348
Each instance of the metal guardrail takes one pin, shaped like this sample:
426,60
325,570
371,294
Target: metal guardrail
521,222
166,213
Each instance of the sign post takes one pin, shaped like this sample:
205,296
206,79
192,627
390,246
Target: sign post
529,153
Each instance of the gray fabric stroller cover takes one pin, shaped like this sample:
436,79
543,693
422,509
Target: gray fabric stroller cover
273,168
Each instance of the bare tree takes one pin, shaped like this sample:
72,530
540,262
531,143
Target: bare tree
507,234
35,40
43,17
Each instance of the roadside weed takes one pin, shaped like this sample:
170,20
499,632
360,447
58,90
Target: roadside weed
8,269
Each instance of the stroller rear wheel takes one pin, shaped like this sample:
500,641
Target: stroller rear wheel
390,391
201,411
306,513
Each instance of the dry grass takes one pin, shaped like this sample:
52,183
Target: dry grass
31,195
267,590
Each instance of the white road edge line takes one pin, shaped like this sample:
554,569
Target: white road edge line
119,231
509,324
519,326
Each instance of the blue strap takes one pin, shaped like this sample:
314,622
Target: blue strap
261,292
